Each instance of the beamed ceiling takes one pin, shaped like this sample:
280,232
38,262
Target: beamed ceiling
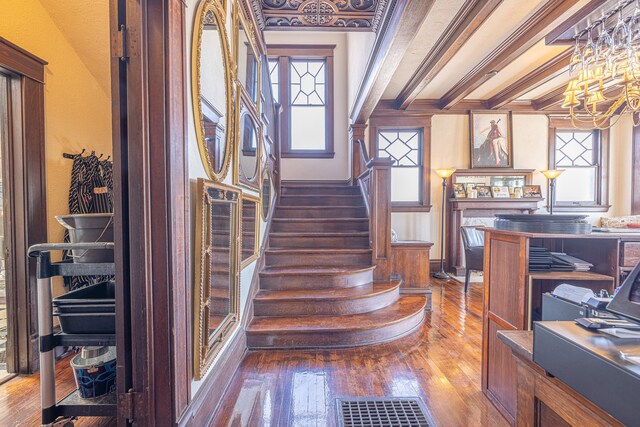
344,15
479,54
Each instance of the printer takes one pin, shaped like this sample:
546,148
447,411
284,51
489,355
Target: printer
568,302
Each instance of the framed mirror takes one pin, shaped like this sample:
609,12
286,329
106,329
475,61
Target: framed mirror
247,57
250,230
217,278
266,194
249,149
212,75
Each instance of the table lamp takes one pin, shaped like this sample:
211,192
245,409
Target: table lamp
551,175
443,173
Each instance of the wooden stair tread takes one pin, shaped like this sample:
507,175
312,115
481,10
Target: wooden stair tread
316,270
355,292
317,251
312,207
321,196
319,233
316,220
405,307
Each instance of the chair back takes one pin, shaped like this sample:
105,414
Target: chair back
471,237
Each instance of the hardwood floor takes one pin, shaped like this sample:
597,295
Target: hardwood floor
440,362
20,399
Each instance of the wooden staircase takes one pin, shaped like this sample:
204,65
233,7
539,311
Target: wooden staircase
317,288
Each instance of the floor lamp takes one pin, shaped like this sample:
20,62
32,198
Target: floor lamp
551,175
443,173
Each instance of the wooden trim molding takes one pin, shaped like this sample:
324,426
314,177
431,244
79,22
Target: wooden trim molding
25,187
284,54
399,26
421,107
544,73
601,203
423,123
635,171
523,38
19,61
468,19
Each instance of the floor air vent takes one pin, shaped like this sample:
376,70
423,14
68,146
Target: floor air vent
384,412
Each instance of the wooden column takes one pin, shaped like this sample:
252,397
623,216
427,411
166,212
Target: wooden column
380,219
356,133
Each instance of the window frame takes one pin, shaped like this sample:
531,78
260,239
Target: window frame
400,123
284,54
601,157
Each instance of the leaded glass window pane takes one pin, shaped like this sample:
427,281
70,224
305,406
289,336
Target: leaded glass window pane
404,147
308,82
274,74
574,149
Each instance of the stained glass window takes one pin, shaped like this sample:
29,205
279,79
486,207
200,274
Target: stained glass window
404,147
274,74
307,97
577,153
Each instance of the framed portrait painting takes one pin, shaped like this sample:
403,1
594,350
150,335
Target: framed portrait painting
491,143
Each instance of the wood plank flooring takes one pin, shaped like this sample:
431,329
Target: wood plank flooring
440,362
20,399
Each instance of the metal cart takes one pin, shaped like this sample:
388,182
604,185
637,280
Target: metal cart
72,405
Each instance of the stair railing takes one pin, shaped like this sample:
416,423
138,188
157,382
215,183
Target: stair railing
374,179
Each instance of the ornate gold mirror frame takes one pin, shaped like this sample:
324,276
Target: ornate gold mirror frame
240,21
266,193
250,242
245,109
217,240
212,12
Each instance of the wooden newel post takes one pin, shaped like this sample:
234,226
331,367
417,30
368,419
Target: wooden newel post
356,133
380,219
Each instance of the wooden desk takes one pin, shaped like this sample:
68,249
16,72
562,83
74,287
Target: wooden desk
545,401
513,295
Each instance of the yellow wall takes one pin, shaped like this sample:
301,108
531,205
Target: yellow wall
77,107
450,147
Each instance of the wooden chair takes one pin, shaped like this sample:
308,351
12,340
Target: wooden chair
473,243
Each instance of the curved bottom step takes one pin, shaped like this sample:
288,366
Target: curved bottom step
327,302
385,324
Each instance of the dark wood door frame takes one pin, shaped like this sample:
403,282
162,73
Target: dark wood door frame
151,201
25,189
635,171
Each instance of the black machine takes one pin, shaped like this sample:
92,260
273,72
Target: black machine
626,303
603,368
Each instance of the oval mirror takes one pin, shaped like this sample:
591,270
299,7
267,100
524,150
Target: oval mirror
266,194
248,148
212,89
248,65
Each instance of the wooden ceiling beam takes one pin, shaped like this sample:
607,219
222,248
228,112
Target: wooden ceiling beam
420,107
402,21
522,39
549,99
546,72
468,19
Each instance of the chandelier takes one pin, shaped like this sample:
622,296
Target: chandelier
605,73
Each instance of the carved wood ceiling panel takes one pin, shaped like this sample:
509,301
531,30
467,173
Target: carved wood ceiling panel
364,15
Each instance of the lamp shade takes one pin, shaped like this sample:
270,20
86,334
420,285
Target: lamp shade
445,172
552,173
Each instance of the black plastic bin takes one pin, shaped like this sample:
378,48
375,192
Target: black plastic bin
89,310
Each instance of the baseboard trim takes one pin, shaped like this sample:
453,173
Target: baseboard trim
206,402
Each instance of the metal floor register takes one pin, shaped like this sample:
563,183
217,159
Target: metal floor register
383,412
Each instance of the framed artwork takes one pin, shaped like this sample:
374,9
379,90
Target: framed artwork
500,192
458,191
531,191
484,191
491,144
517,193
471,185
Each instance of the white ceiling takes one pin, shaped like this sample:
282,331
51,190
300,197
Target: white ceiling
502,22
85,24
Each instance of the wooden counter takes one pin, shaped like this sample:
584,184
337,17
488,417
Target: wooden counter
513,295
545,401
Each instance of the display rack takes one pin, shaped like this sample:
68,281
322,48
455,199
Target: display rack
72,405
